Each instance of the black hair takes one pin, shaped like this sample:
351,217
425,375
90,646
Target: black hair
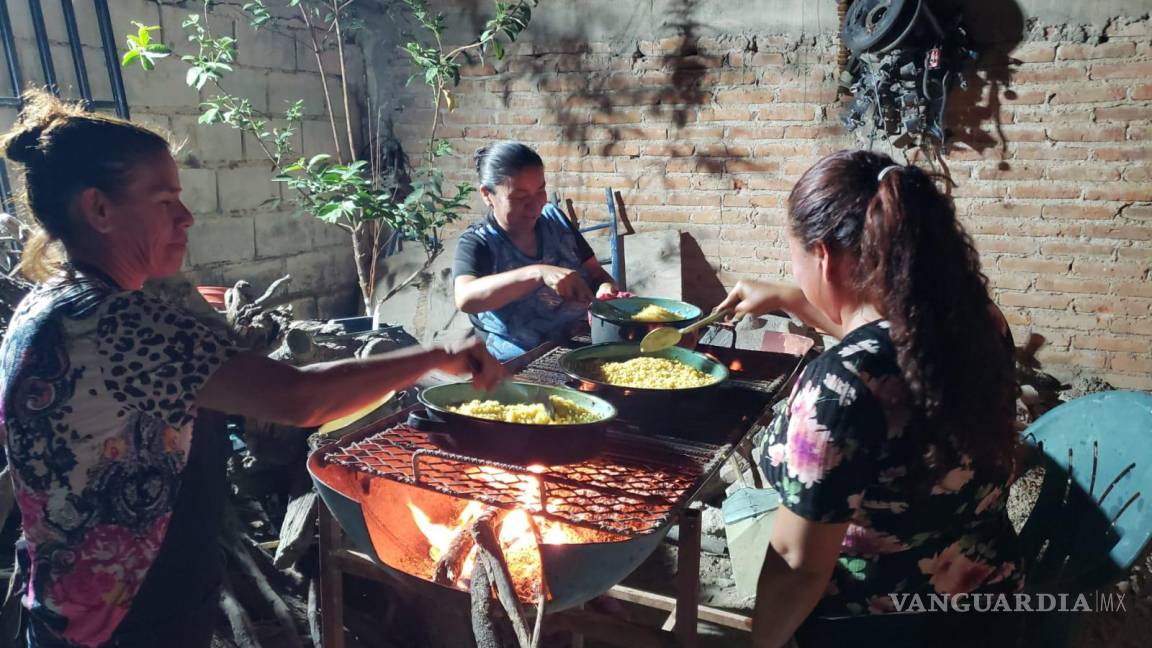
502,160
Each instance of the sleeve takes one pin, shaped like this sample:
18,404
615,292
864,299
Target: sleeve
820,452
157,356
473,257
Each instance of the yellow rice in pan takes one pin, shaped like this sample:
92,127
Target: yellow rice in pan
653,373
567,412
654,313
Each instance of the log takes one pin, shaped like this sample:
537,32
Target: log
490,557
449,565
298,533
238,620
483,630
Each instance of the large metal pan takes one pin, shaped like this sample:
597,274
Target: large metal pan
612,321
515,443
653,408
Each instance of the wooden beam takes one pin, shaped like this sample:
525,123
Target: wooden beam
668,604
688,579
610,630
331,582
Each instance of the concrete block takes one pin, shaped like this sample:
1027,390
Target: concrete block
260,274
154,121
162,88
284,88
200,192
281,234
251,84
265,48
326,234
217,142
246,188
318,272
122,13
317,138
651,261
227,238
306,57
98,78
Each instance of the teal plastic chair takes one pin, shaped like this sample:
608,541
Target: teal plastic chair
1093,518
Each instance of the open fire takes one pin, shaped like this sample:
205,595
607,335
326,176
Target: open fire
520,534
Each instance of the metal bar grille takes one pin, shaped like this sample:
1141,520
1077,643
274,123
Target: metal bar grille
118,102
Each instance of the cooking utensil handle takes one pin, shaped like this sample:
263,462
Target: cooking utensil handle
714,317
425,421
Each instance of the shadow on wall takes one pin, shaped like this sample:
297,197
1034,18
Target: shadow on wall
591,105
995,28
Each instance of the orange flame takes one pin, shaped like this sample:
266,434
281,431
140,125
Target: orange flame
516,536
736,365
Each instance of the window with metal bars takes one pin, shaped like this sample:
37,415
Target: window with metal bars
43,19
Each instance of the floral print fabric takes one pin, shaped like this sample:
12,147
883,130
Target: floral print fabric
849,448
98,390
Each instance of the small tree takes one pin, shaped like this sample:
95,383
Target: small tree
354,194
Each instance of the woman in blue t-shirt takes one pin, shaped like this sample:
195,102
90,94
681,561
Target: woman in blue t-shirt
524,274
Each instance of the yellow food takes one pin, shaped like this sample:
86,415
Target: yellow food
653,373
567,412
654,313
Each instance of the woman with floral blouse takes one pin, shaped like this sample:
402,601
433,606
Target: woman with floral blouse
894,455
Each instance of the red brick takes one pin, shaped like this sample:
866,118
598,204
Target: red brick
1080,211
757,165
756,133
1120,191
745,96
597,165
1048,74
1051,114
1139,212
1121,153
1047,152
1141,364
1086,173
1142,92
1066,284
1109,343
1013,172
723,114
1046,190
1135,289
1124,113
1078,321
1004,209
1011,282
1095,93
1024,133
1029,97
1133,70
1131,326
786,112
1039,266
1035,300
1138,173
1123,381
767,58
1131,27
813,132
1118,232
692,199
720,149
822,93
1056,248
693,133
1110,269
1078,51
620,117
1087,133
668,150
1035,53
987,245
1082,359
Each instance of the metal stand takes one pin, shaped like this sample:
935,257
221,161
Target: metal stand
679,631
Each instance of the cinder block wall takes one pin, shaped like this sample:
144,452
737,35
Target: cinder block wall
706,130
239,233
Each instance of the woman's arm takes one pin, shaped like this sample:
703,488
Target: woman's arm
751,297
797,569
253,385
478,294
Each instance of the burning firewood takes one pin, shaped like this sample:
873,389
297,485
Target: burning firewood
451,563
490,560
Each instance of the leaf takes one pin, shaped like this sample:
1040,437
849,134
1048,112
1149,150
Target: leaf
192,78
129,56
497,50
210,116
316,159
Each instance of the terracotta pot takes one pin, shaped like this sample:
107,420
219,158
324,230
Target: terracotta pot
214,295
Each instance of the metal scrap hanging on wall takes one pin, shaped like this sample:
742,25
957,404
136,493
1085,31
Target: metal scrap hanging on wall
905,59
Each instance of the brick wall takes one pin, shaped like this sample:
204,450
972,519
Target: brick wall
238,234
707,135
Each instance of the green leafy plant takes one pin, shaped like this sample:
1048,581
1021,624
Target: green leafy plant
339,189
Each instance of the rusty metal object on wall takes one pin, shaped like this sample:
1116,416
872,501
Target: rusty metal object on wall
904,60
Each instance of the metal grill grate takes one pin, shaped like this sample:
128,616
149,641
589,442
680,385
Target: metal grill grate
631,488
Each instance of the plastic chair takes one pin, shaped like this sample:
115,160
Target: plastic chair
1092,519
615,266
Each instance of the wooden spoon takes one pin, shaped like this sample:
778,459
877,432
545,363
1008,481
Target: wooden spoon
667,336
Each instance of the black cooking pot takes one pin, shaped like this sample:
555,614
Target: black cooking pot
653,408
515,443
612,319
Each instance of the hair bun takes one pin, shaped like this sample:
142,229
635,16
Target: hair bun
478,157
24,146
